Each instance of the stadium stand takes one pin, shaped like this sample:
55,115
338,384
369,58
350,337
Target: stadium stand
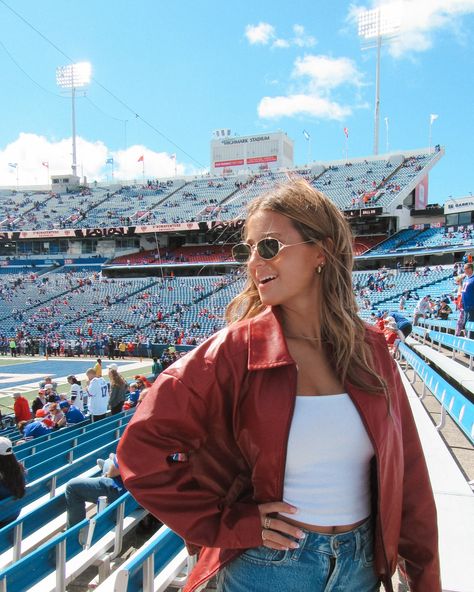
72,303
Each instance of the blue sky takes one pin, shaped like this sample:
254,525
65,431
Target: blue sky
187,68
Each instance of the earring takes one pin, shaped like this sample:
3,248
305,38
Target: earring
319,269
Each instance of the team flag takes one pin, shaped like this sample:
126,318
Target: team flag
433,117
346,132
306,135
141,159
45,164
13,164
109,161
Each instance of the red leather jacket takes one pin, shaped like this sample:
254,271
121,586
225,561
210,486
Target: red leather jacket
227,407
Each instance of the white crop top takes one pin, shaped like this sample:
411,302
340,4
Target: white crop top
327,475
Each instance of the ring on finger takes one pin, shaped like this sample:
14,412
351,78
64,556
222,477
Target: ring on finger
267,522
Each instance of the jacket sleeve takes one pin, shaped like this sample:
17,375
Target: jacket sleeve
175,418
418,543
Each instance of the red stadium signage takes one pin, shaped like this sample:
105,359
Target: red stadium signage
229,163
260,159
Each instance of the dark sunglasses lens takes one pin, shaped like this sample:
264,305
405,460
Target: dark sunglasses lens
268,248
241,252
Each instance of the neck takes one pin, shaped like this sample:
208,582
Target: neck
299,326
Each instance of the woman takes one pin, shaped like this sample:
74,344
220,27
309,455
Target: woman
284,446
12,478
76,394
118,389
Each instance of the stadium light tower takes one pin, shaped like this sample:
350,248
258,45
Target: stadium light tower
375,26
71,77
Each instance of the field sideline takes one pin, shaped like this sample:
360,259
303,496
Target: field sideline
23,374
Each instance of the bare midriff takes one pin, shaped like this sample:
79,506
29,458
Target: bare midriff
324,529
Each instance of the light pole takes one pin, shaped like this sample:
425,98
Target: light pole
71,77
374,27
433,117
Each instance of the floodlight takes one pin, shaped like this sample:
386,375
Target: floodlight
74,75
375,26
71,77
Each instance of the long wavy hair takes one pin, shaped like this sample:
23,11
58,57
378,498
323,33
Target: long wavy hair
12,475
318,219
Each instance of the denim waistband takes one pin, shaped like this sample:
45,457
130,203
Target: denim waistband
350,542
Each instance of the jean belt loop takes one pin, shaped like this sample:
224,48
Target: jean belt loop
357,544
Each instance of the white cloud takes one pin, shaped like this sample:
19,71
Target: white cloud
260,34
301,39
264,33
326,72
281,43
318,76
419,21
301,104
29,151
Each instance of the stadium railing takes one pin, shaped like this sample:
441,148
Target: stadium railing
454,502
451,400
156,566
74,447
49,484
54,565
34,446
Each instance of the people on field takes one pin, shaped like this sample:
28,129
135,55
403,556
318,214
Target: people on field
284,447
76,393
97,395
118,389
21,408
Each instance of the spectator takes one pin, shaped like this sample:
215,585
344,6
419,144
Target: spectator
21,408
98,368
48,380
88,489
467,294
56,414
156,368
71,414
34,429
422,309
444,311
97,395
76,394
404,326
39,402
118,389
133,396
12,478
142,381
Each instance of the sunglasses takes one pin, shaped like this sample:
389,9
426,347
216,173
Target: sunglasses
267,248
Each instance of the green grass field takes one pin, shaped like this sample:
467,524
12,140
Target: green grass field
6,403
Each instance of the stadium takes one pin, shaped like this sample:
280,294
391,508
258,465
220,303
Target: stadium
128,271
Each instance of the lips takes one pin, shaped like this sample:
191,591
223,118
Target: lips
266,279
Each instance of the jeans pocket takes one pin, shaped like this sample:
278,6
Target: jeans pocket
367,555
264,556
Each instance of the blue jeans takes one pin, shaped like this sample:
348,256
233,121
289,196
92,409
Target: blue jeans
88,489
323,563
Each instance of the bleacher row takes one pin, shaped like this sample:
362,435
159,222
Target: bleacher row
36,554
362,184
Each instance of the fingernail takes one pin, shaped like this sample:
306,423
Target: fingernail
300,534
294,545
293,510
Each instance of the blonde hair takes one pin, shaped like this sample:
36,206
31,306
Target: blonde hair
318,219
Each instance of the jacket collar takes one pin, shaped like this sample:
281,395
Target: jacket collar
267,344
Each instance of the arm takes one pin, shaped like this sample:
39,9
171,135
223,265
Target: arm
174,418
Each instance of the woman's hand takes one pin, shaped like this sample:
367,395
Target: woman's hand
276,533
